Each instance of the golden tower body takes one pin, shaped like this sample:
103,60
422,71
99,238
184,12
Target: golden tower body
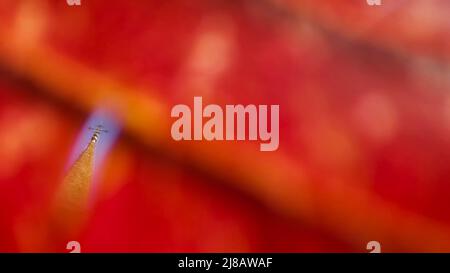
70,209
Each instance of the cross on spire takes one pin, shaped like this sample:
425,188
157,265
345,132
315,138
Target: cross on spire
97,131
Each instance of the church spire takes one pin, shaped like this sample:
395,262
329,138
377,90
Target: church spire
72,198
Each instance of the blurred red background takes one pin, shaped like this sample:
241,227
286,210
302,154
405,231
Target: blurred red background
364,123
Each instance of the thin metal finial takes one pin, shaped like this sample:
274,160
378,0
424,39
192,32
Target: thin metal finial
97,131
